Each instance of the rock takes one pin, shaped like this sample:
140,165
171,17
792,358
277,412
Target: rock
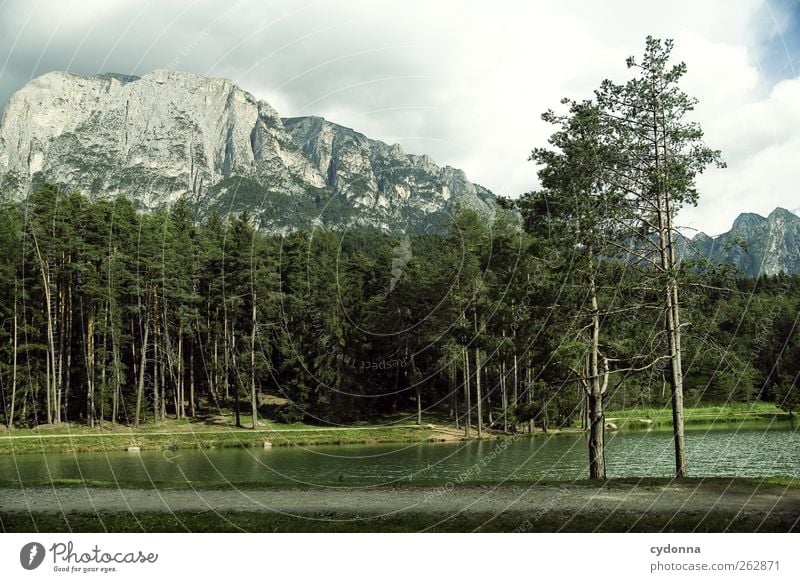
611,426
134,449
267,445
755,244
168,134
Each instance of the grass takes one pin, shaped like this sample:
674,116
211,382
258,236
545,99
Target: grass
183,434
512,521
726,413
776,485
218,431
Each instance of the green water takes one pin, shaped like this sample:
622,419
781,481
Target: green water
744,451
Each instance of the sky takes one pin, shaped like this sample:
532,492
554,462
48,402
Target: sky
462,81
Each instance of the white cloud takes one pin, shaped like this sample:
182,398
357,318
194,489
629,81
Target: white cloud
761,142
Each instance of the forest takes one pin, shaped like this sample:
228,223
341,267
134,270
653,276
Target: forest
572,299
112,315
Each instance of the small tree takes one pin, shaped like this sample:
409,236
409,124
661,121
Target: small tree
577,211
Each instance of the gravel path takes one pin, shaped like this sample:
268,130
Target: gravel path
565,498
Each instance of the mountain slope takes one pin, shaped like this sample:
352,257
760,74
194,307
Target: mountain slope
757,245
166,134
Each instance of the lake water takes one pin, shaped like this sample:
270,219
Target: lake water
745,451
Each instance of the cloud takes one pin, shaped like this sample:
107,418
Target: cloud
763,138
463,81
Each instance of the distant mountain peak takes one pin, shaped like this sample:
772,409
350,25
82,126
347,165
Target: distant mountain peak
747,220
783,213
757,245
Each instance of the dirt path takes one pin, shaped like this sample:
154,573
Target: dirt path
565,498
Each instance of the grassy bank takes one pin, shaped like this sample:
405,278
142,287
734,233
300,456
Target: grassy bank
199,434
517,522
720,485
632,418
219,431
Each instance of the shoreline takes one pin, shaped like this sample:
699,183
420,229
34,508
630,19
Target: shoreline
219,432
82,439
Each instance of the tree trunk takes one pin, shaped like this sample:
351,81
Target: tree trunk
454,373
60,329
667,255
515,399
227,353
49,400
597,460
191,378
117,382
160,374
529,392
467,396
478,396
175,390
51,344
13,370
584,408
64,376
215,370
134,363
90,367
478,391
253,395
489,390
179,384
677,365
103,368
597,421
235,381
159,388
413,380
504,395
142,368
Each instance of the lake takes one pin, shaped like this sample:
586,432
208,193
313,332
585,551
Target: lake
755,450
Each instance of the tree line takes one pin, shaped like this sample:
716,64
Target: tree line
112,315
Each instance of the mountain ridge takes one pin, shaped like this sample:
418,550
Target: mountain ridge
758,245
168,134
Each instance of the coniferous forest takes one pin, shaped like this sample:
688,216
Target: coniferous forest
112,315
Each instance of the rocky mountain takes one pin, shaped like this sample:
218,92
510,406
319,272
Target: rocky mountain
757,245
167,134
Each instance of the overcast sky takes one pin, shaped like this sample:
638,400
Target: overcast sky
464,82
